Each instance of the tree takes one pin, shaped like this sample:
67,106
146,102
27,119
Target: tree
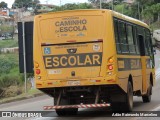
35,3
151,13
105,3
22,3
147,10
84,6
139,7
73,6
3,5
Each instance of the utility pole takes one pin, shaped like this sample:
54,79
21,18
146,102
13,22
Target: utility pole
100,4
24,56
139,12
46,1
122,9
60,2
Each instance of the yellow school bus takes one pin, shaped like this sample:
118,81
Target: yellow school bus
92,58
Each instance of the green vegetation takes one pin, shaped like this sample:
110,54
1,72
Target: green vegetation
31,93
3,5
11,81
73,6
155,25
10,78
8,43
25,3
9,72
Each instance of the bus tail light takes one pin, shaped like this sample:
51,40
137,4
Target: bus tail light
110,64
36,65
111,80
110,67
110,60
98,80
38,71
38,84
49,83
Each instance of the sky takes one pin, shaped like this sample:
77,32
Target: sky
54,2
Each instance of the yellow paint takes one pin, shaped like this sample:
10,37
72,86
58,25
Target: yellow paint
83,26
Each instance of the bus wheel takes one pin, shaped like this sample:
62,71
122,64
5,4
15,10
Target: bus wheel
147,98
128,105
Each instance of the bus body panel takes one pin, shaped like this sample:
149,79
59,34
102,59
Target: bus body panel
62,27
76,51
68,61
56,43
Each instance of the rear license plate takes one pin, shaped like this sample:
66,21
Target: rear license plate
73,83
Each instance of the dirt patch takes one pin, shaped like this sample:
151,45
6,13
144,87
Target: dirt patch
12,91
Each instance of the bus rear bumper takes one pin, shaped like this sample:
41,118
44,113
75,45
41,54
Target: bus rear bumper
76,82
77,106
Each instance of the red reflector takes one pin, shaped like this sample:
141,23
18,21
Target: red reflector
110,67
38,71
49,83
71,41
98,80
111,80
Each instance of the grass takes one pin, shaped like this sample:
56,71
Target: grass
31,93
8,43
11,81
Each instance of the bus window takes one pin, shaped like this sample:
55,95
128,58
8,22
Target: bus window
116,36
131,43
148,42
141,45
150,48
141,40
122,37
135,39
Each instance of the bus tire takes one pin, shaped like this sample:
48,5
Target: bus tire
128,105
147,98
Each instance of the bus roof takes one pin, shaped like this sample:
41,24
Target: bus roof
129,19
